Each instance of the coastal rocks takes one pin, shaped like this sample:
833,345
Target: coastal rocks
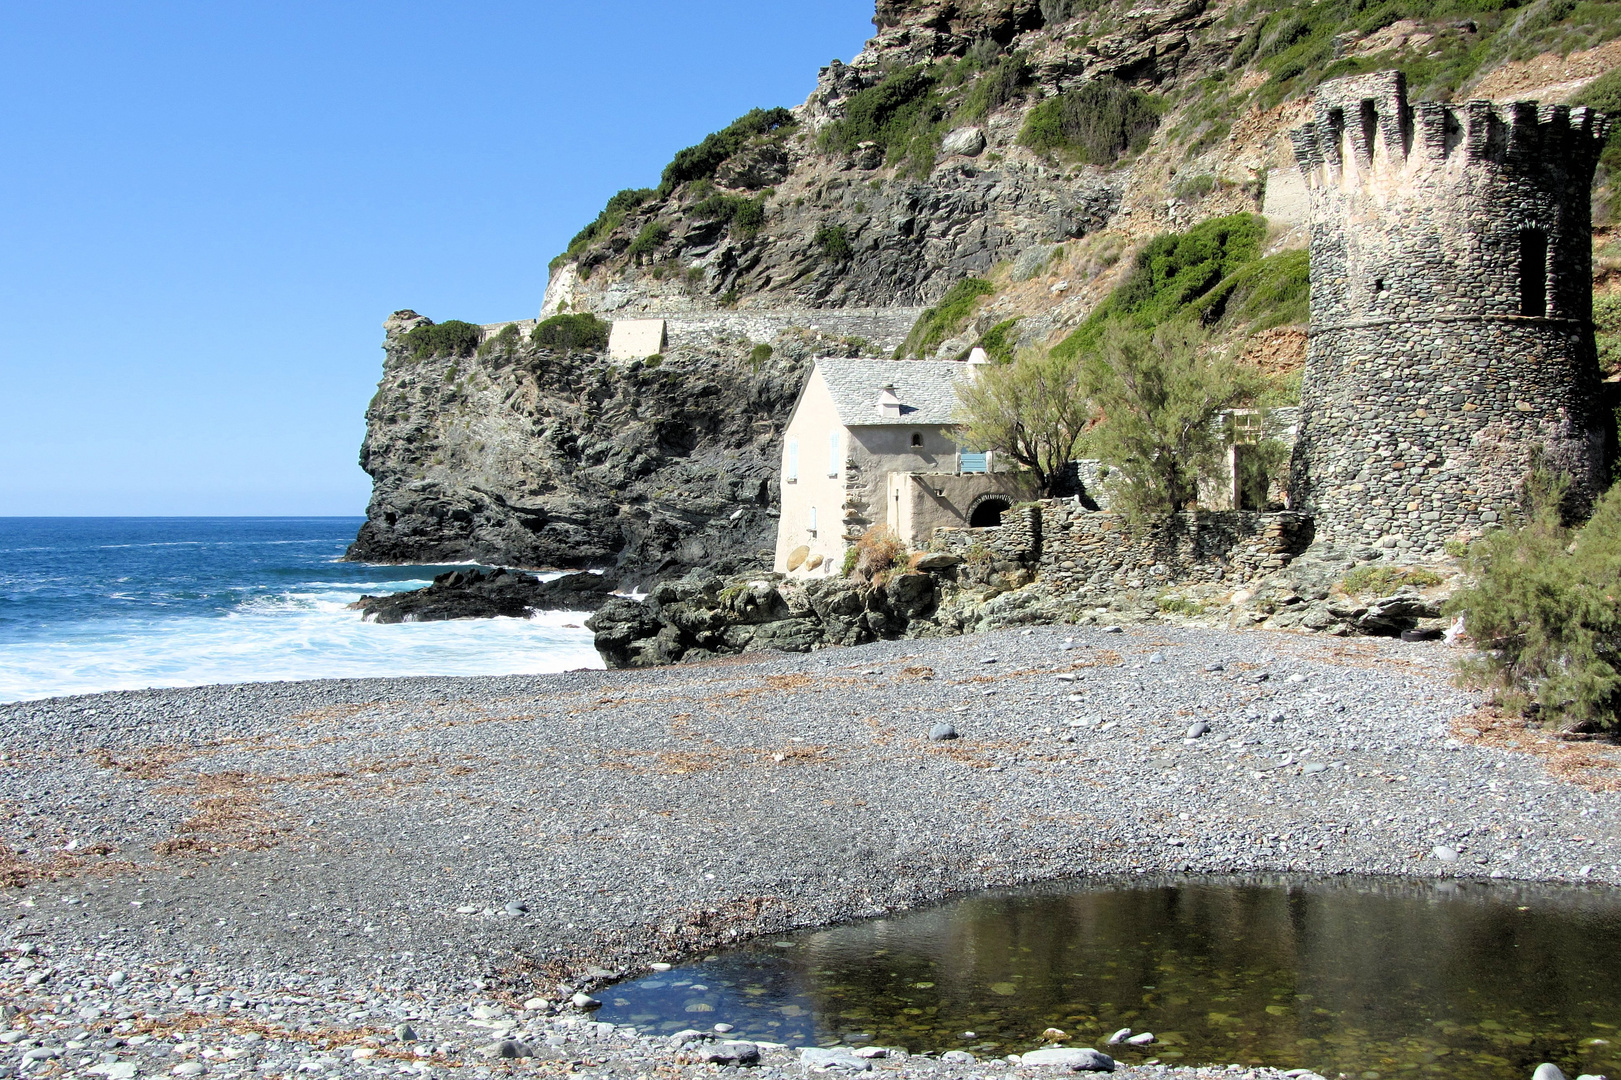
480,594
702,616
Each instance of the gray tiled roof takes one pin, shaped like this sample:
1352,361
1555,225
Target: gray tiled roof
927,389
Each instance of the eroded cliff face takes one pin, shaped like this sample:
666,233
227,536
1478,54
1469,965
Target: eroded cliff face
530,457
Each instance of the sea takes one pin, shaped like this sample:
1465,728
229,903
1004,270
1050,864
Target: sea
94,604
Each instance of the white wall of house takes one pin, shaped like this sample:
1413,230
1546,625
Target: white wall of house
812,499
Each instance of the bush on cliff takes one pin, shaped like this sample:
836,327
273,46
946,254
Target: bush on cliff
1158,395
1176,271
649,240
449,338
612,216
902,115
745,216
1093,124
1545,611
834,244
584,332
944,319
702,161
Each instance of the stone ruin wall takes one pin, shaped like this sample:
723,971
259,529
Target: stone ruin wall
1451,332
1072,548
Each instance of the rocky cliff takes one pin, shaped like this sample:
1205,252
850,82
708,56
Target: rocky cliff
1032,145
532,456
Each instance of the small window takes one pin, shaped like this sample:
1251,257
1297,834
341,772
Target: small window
812,527
791,472
1533,273
917,440
832,453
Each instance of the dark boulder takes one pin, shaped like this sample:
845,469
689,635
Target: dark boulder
488,594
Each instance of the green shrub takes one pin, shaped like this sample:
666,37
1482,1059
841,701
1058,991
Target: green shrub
1004,82
1274,291
759,356
700,162
1384,580
946,318
1607,332
508,338
1172,272
612,216
1193,187
1159,394
584,332
834,244
649,240
888,114
1545,610
1171,604
746,216
449,338
1000,341
1093,124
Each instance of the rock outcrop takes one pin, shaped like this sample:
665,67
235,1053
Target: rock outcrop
481,594
702,616
530,457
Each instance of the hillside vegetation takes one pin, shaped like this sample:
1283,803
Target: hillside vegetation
967,135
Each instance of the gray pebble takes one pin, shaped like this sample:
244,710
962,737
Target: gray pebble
942,733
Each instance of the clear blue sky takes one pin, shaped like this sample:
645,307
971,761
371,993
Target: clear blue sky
210,208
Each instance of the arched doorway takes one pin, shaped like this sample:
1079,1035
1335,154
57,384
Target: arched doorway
987,513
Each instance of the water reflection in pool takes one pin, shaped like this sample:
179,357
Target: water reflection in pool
1370,978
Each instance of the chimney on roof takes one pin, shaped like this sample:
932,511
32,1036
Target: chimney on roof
889,403
977,359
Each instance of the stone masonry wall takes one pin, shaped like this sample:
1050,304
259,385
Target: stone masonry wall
1071,547
1451,335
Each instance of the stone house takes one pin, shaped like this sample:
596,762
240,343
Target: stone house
873,443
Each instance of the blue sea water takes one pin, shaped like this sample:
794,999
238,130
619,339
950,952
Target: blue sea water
92,604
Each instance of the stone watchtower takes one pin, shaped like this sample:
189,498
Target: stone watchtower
1451,305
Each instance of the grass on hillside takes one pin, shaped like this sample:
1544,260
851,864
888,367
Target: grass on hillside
1214,272
946,318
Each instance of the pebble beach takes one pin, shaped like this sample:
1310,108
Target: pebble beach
412,876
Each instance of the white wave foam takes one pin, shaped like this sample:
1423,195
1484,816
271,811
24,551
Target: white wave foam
304,633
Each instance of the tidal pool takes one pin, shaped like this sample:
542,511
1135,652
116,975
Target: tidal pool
1370,978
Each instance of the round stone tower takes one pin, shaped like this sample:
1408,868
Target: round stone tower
1451,304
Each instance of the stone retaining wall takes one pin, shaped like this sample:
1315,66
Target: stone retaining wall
1071,547
884,329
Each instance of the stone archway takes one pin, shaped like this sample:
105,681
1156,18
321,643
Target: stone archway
986,511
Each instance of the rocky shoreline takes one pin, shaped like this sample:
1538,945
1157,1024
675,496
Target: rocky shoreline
488,594
272,879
